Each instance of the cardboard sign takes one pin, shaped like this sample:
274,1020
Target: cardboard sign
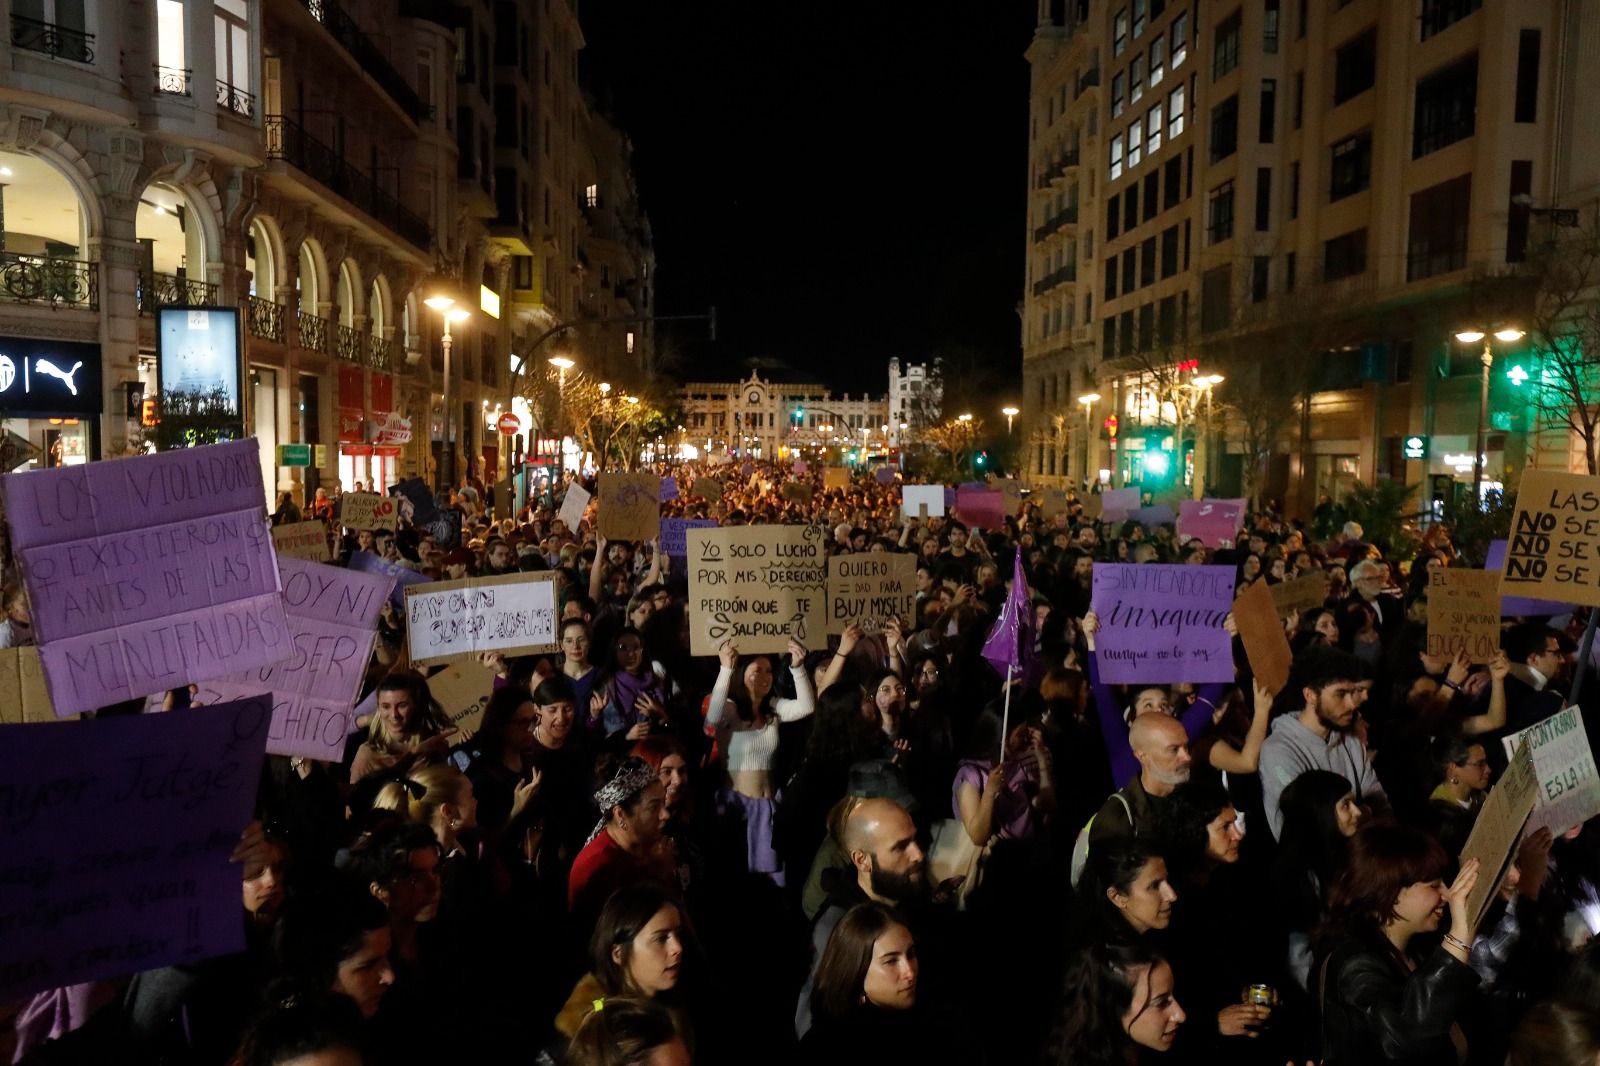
463,689
1162,622
1214,523
1051,502
708,488
884,475
1300,594
505,499
871,588
983,508
303,540
1094,505
24,697
835,477
147,573
1266,645
333,619
913,498
756,585
1554,550
416,492
669,488
403,575
368,510
1495,834
1464,613
1563,764
675,534
573,506
514,614
1519,606
798,491
124,825
629,506
1117,504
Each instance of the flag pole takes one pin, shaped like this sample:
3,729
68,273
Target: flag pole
1005,716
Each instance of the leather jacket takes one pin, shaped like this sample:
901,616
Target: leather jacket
1374,1011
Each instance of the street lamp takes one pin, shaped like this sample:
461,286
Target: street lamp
445,305
1506,335
1205,383
1010,413
1088,399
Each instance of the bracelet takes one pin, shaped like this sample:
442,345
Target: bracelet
1456,941
1451,685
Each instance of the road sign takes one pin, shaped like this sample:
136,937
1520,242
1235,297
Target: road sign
510,423
294,455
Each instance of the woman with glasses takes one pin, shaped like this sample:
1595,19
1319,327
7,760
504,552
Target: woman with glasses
1463,768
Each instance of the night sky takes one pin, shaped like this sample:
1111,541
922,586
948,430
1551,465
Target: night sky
844,179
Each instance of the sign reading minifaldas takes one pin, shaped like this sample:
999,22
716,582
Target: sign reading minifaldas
1554,552
1563,764
756,585
1494,835
514,614
302,540
118,833
1464,613
870,588
368,510
333,618
1162,623
147,573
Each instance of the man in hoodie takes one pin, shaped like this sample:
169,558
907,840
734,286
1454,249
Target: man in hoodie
1322,735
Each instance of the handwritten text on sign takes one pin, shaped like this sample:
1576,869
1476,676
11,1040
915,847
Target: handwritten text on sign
1563,763
514,614
368,510
756,585
871,588
1499,826
1464,613
118,833
1554,552
147,573
630,506
1162,623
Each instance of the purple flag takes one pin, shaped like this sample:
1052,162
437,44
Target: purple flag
1010,642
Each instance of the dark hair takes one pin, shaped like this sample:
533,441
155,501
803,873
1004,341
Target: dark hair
300,1025
1528,638
841,972
554,689
1191,809
840,734
574,622
1556,1034
585,604
1384,858
318,932
1097,992
622,919
740,695
1310,838
1452,749
612,666
503,706
1582,985
623,1032
1113,865
385,856
1319,666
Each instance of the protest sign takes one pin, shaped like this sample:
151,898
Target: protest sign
1300,593
835,477
1563,766
514,614
757,585
983,508
1214,523
333,619
800,466
630,508
798,491
118,833
1494,836
1554,550
708,488
1094,505
1159,514
302,540
404,576
913,498
871,588
1051,502
416,492
1010,494
574,505
1464,613
147,573
24,696
884,475
675,534
1162,623
368,510
1261,631
1117,504
669,488
1519,606
463,689
444,527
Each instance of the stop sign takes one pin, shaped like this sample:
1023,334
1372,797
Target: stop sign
510,423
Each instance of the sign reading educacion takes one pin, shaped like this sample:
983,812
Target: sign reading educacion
756,585
1554,550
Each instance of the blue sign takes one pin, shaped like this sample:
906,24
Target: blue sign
197,351
675,534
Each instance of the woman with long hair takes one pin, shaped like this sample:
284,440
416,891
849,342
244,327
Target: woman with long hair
1124,893
1320,815
638,949
627,1031
842,734
502,772
671,764
1118,1002
1005,798
635,695
406,727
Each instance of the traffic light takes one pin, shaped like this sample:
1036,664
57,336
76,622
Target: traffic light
983,457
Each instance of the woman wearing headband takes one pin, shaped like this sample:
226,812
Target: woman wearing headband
625,847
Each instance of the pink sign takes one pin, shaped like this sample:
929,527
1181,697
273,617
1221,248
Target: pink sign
1117,504
983,508
1214,523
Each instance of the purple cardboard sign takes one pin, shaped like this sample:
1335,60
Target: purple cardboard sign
333,618
800,466
1161,623
368,563
1516,606
1159,514
1214,523
884,475
669,488
675,534
126,825
147,573
984,508
1117,504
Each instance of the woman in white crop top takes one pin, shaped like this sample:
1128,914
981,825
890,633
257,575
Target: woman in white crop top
745,714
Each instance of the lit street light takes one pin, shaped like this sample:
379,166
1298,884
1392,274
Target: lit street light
1506,335
1010,413
445,305
1088,399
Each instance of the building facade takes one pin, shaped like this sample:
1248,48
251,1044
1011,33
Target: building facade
764,419
322,169
916,394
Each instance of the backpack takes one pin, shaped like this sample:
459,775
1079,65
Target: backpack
1080,847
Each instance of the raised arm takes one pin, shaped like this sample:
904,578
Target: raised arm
1495,717
1248,758
717,707
805,701
1113,730
596,570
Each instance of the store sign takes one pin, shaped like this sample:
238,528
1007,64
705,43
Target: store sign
393,428
1415,447
44,378
352,405
197,351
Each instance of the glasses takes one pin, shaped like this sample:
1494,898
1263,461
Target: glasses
418,877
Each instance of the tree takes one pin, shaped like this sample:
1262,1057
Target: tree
954,436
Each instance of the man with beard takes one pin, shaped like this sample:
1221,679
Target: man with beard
1139,809
498,558
1322,736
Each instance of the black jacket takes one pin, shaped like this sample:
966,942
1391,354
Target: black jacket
1374,1011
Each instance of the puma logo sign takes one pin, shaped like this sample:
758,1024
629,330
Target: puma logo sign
45,366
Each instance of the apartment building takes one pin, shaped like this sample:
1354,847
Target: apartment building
916,397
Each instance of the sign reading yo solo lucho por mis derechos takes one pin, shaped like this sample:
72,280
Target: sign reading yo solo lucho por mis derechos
1554,549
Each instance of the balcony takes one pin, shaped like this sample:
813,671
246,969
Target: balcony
234,99
173,81
288,141
264,319
1088,79
354,40
47,38
313,332
157,290
1067,216
28,279
1068,273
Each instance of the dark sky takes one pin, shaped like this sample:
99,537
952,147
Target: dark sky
844,179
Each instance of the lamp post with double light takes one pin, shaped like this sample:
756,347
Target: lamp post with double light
450,313
1205,383
1506,335
1088,399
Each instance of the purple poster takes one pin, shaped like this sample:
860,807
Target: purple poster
1159,514
403,575
669,488
983,508
1117,504
675,534
884,475
333,619
1214,523
1161,623
800,466
1514,606
126,825
147,573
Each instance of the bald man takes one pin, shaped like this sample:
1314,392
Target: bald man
1161,746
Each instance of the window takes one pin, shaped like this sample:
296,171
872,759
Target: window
1147,327
1125,324
1165,316
1352,167
1119,33
1117,101
1173,180
1169,251
505,116
170,50
1138,18
1216,298
1446,104
1294,189
1260,268
1267,123
1158,59
1116,157
1299,97
1136,79
1180,40
1152,195
1355,67
1135,144
1130,207
1219,214
1130,266
1269,29
1225,129
1263,199
1175,113
1527,103
591,196
1436,242
1225,50
1344,256
1517,214
232,22
522,271
1152,129
1108,339
1439,14
1113,217
1288,272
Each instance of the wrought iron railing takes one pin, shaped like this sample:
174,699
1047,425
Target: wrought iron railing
313,332
266,319
287,140
57,42
372,60
49,279
236,100
378,352
173,81
156,289
348,344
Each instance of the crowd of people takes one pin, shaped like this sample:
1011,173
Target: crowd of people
862,851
